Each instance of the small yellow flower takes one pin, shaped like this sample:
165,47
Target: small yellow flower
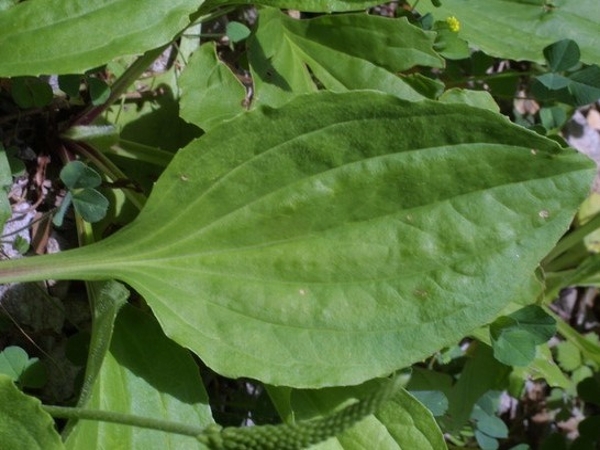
453,23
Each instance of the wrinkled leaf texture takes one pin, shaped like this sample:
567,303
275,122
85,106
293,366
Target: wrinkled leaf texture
520,29
340,237
72,36
23,423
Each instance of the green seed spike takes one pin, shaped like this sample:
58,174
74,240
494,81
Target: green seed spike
299,435
436,3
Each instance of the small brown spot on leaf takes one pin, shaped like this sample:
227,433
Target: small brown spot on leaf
420,293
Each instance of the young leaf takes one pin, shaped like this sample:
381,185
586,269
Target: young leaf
99,91
345,227
513,346
562,55
515,337
211,93
237,32
14,361
553,81
70,84
30,92
486,442
553,117
70,36
77,175
568,356
536,321
585,85
23,423
90,204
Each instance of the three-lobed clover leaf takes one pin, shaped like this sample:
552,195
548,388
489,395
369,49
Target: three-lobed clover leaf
81,180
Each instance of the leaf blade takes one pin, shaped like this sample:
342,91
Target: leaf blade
309,255
144,374
499,27
38,38
23,423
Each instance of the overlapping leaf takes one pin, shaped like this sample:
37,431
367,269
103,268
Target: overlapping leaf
71,36
339,51
519,29
146,375
291,57
340,237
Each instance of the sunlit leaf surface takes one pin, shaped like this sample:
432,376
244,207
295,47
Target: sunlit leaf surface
340,237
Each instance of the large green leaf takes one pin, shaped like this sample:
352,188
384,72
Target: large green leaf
23,423
144,374
340,237
286,55
71,36
400,423
520,29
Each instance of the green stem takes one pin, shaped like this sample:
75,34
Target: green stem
573,238
120,86
123,419
588,348
205,15
140,152
490,77
67,265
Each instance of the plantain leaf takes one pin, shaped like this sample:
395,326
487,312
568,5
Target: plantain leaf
340,237
501,27
143,374
23,423
72,36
